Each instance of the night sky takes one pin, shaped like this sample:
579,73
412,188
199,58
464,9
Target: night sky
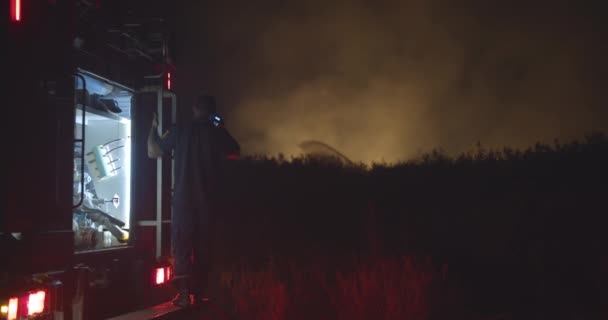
392,79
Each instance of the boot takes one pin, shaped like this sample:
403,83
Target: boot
181,300
183,297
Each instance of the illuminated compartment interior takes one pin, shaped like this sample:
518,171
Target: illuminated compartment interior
102,214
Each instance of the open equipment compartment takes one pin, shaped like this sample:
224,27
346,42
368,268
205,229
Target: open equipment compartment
102,163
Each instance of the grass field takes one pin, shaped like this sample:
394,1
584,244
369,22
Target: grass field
487,235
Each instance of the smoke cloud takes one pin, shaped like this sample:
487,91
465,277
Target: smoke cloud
388,80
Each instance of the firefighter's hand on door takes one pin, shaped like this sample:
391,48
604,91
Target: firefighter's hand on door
154,121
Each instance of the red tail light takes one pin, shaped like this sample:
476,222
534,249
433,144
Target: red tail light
160,275
168,80
28,305
35,303
16,10
12,308
168,272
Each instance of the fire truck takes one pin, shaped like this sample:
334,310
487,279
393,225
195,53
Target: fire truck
84,229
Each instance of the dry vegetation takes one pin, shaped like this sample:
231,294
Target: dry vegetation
490,234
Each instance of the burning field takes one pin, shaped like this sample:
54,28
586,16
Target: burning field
391,80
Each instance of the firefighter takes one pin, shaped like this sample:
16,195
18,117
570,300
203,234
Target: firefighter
198,151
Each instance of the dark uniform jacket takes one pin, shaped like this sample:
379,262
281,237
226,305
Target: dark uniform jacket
200,149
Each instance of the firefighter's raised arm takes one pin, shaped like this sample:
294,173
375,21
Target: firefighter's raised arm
158,146
231,148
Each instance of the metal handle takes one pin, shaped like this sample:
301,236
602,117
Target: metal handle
82,164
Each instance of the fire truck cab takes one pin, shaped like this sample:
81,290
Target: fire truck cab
84,229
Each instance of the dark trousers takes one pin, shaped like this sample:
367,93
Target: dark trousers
191,243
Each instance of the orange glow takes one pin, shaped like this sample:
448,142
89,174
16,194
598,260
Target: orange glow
168,273
12,309
160,275
35,303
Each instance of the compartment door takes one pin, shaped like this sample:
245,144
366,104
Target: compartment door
152,178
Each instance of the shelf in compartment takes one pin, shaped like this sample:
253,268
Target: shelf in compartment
124,251
99,114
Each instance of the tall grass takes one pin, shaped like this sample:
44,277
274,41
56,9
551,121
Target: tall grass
520,230
398,288
385,289
257,294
